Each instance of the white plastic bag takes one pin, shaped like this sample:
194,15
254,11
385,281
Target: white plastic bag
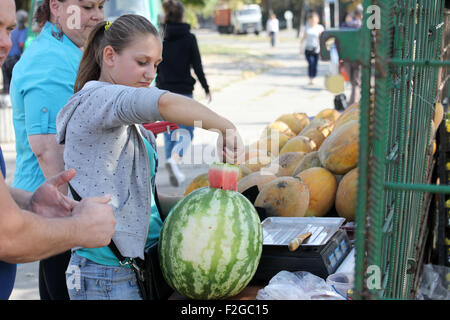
435,284
341,282
300,285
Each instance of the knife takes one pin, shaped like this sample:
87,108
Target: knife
297,241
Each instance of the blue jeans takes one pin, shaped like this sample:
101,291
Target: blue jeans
87,280
7,278
172,144
178,145
313,60
273,38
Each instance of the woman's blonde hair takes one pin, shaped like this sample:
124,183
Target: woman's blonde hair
118,35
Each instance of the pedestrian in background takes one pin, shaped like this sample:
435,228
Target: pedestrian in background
18,38
311,43
272,28
348,20
42,82
180,54
352,68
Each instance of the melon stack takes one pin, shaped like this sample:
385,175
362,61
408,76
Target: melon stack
304,167
304,176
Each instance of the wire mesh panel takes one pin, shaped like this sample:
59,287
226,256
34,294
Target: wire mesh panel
405,53
400,59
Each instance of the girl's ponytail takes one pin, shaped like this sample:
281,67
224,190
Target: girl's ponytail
90,65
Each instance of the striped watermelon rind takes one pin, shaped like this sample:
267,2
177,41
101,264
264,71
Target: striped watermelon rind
211,244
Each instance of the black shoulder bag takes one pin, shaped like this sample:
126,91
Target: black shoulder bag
150,280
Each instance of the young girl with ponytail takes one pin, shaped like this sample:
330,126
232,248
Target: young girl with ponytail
113,154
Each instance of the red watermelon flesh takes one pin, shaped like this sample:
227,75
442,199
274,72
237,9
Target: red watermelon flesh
223,176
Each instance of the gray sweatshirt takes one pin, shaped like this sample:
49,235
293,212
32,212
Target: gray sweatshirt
104,146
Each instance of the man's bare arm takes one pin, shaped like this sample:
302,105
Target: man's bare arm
25,236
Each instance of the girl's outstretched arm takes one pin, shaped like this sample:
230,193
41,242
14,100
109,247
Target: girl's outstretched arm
182,110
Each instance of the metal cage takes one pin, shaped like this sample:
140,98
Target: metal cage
399,49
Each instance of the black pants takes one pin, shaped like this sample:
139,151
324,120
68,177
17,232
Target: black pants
52,277
7,69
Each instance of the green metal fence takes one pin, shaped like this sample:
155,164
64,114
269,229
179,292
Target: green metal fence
399,51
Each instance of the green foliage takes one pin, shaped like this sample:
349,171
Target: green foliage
198,3
191,16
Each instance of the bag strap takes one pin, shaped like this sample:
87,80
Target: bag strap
111,245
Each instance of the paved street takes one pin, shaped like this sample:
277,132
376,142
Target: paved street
251,83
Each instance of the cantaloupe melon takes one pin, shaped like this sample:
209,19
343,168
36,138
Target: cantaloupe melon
279,126
284,197
339,152
349,116
198,182
322,187
296,121
298,144
286,163
329,114
257,161
346,195
273,143
318,130
258,178
309,161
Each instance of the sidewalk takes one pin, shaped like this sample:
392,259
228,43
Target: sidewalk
250,103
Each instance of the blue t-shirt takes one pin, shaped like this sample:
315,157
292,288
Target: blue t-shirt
104,255
7,270
42,83
17,37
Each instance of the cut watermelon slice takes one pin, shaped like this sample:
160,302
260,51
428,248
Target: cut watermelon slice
223,176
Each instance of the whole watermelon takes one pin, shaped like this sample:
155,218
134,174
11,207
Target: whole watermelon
210,244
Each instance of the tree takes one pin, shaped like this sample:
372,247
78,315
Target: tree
198,3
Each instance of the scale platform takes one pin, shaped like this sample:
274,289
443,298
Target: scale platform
321,254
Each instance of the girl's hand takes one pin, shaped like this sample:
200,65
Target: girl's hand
230,147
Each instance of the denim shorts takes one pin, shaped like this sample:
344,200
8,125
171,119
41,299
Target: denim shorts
87,280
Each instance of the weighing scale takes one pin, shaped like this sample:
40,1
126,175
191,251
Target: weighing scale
321,254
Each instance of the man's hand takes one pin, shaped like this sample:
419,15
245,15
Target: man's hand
48,202
96,222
